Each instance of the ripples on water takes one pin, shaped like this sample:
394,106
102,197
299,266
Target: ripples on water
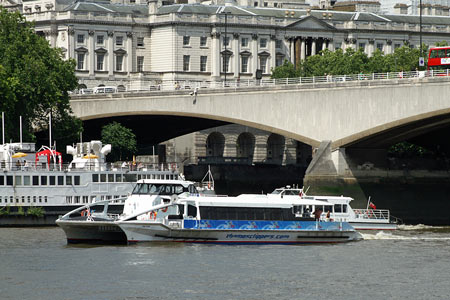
36,263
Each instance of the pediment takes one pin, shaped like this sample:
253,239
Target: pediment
120,52
245,53
81,49
310,23
101,50
264,53
227,52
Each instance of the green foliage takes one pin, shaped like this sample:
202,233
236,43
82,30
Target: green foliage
20,211
35,211
122,140
286,70
441,44
4,211
34,81
348,62
406,149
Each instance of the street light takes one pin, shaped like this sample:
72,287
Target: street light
225,42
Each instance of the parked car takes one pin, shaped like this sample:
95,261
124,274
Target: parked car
105,90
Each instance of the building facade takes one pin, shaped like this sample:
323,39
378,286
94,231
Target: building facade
132,45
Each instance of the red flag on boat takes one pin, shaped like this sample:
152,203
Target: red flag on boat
371,205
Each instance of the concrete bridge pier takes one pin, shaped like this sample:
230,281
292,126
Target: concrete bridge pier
414,195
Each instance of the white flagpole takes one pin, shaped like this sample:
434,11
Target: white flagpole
20,118
3,127
368,201
50,129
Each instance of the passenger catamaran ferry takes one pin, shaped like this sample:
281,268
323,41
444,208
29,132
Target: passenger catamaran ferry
245,219
32,178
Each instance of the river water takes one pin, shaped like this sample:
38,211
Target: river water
411,263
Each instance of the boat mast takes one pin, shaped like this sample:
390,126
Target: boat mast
3,127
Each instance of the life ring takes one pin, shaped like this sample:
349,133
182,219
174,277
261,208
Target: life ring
152,215
164,209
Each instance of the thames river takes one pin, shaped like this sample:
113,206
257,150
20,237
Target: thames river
411,263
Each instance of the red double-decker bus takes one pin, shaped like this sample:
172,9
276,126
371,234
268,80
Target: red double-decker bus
439,58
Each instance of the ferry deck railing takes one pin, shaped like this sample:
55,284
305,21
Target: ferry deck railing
372,214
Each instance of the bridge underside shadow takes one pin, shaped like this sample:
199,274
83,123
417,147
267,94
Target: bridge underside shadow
150,129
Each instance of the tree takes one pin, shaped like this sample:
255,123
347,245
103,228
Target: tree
286,70
122,140
34,82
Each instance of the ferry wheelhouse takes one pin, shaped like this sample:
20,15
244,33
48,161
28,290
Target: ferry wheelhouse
242,219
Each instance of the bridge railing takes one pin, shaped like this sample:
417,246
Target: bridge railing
174,85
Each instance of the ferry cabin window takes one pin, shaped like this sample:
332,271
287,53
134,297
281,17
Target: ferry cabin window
68,180
35,180
110,177
340,208
192,211
9,180
52,180
246,213
18,180
130,177
2,180
102,177
26,180
77,180
60,180
94,177
43,180
118,177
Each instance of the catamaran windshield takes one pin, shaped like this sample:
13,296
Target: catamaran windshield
162,189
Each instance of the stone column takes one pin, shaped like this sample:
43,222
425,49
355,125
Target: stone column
371,47
273,52
303,49
215,55
313,46
291,49
330,44
71,37
129,66
388,47
91,52
110,53
254,47
236,54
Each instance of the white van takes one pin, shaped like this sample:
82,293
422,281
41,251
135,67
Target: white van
105,90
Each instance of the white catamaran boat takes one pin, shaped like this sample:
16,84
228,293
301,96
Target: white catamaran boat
32,178
245,219
369,218
93,223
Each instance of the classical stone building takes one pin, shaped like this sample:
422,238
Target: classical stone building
135,45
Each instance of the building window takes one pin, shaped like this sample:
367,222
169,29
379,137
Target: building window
226,41
80,61
397,46
226,63
380,46
203,60
203,41
140,64
266,4
186,59
100,60
119,40
186,40
255,4
140,42
362,45
100,39
278,44
263,64
279,61
263,43
244,64
80,38
244,42
119,62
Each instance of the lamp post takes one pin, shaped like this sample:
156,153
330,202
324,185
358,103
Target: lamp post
225,42
420,31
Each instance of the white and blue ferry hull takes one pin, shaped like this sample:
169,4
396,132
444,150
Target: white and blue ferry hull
239,232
